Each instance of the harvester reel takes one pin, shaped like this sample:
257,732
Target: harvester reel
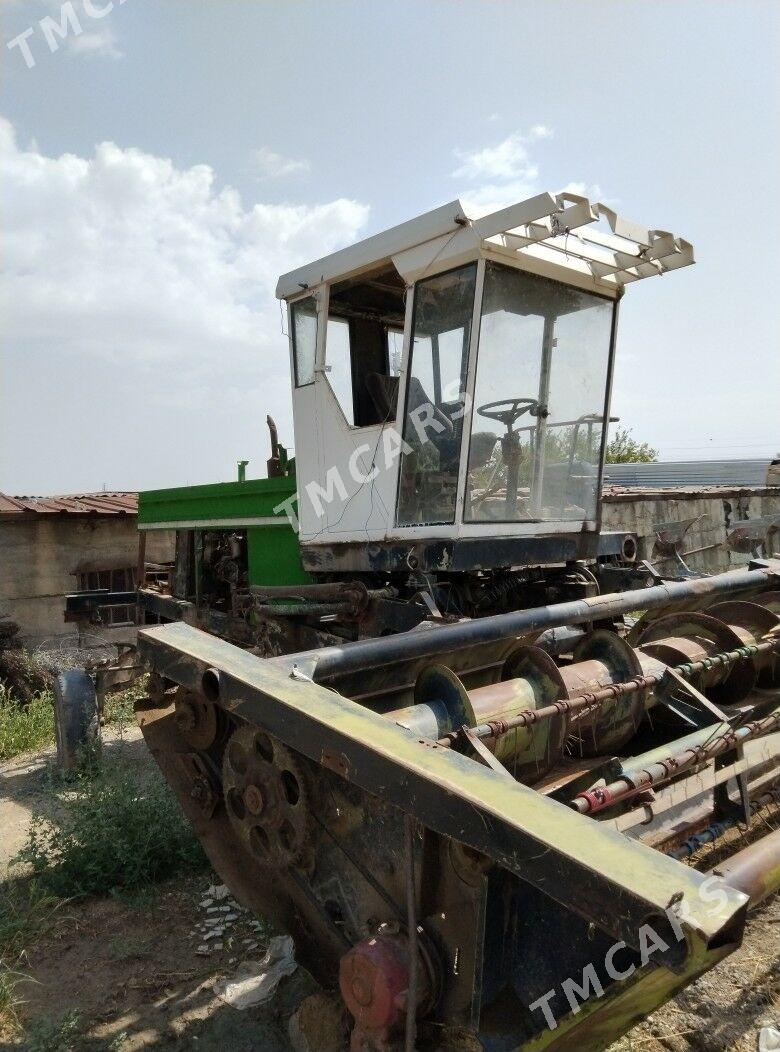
266,797
677,638
609,727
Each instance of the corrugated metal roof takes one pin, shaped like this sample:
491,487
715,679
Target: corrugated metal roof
688,474
72,504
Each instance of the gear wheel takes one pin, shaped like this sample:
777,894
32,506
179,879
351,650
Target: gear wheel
199,720
266,797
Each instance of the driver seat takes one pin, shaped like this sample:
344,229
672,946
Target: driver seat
383,391
481,449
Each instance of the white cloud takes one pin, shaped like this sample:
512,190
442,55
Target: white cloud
490,197
96,42
272,165
507,160
541,131
122,261
590,190
498,175
125,236
79,27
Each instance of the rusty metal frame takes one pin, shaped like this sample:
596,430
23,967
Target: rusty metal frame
615,883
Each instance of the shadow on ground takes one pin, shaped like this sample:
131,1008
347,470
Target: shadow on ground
130,972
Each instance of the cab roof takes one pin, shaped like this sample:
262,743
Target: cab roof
565,231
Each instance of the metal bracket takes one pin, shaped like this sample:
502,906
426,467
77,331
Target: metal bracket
694,714
725,807
483,754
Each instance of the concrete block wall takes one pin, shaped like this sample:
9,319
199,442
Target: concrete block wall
715,509
41,556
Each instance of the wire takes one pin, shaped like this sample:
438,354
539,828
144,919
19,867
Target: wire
446,243
330,526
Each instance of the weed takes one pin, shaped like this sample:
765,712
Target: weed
10,1002
24,727
25,911
119,706
27,723
114,831
22,675
55,1035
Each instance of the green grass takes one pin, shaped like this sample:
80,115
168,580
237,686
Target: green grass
55,1035
24,728
119,709
29,727
10,1002
114,830
26,910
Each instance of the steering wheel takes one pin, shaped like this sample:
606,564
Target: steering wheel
507,410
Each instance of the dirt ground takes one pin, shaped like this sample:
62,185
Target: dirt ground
133,973
725,1009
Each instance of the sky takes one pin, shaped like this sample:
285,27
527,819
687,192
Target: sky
163,161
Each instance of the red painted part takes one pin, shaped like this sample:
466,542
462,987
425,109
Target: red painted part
374,978
597,798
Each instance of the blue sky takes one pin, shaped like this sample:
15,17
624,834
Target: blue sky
164,164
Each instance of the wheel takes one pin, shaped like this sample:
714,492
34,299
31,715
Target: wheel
75,716
266,797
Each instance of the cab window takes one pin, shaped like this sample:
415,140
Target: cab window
304,336
363,346
433,418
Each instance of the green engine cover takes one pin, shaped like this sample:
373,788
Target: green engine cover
272,542
273,555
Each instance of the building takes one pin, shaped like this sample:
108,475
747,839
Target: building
51,546
695,474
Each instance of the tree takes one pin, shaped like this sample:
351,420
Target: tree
623,449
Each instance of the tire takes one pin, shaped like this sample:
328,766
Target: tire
75,716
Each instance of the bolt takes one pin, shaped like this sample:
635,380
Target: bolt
361,991
253,799
186,717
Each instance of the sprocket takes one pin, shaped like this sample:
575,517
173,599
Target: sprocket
199,720
266,797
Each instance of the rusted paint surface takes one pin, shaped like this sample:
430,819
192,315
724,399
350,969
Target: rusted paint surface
755,870
540,840
602,1020
80,504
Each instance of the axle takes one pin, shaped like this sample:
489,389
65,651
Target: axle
594,700
373,653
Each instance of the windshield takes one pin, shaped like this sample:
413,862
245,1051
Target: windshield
433,420
539,400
